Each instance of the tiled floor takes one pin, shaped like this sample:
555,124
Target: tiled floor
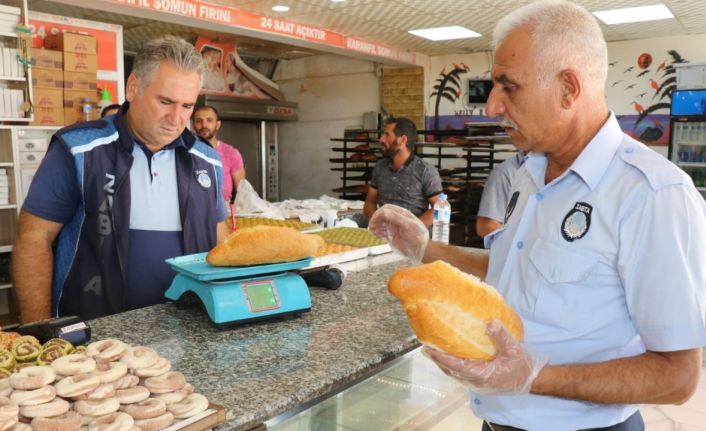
414,395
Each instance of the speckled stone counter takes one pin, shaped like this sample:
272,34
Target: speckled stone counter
261,370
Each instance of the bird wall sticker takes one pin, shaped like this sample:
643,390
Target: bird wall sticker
447,86
661,89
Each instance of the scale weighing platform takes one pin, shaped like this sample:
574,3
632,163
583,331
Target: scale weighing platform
233,295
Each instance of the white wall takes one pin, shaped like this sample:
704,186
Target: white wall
333,92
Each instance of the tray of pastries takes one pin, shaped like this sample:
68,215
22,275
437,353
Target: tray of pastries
107,384
244,222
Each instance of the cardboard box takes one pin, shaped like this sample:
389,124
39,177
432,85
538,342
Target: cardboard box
76,62
80,81
71,42
76,97
48,116
48,97
47,59
75,114
47,78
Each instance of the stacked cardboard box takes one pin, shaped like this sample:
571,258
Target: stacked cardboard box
80,66
47,88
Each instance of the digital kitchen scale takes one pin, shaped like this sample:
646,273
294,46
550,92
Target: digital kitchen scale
239,294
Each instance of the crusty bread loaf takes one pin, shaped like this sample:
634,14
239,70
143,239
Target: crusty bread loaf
263,244
448,309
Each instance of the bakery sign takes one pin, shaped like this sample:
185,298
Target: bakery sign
237,18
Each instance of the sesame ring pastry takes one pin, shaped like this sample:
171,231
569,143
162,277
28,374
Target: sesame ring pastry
50,354
160,367
73,386
176,396
64,345
112,422
97,407
169,382
35,396
7,359
147,409
33,377
26,348
106,350
189,406
53,408
69,421
79,350
76,363
154,424
126,381
132,395
110,372
5,388
139,357
103,391
8,410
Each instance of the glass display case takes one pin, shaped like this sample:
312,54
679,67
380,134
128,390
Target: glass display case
411,394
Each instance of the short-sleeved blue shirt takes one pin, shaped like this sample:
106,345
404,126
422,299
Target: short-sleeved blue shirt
606,261
496,192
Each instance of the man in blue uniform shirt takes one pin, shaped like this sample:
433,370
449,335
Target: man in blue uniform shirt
603,254
113,198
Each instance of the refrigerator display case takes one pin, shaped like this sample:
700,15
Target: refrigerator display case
687,142
411,394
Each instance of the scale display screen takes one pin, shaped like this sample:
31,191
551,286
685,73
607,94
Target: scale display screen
261,295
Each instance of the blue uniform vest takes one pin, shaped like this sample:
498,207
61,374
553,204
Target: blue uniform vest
90,254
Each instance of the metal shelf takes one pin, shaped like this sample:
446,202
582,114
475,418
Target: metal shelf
5,34
13,78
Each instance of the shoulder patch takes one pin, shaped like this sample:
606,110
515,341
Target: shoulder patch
84,133
658,171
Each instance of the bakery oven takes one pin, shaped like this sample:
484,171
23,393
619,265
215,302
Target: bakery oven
251,126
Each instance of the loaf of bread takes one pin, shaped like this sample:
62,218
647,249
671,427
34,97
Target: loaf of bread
448,309
264,244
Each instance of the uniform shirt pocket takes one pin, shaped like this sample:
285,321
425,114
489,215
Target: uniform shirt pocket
563,290
560,264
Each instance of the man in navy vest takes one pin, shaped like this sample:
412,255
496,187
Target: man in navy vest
113,198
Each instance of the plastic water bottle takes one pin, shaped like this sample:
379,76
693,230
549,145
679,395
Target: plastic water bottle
87,109
442,220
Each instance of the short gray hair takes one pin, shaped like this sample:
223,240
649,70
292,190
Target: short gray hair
565,35
170,49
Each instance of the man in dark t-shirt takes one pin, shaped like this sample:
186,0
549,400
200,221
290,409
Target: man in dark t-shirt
400,177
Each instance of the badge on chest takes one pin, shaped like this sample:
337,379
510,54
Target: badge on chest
577,222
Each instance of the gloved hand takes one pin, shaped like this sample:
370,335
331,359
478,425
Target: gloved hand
402,229
511,372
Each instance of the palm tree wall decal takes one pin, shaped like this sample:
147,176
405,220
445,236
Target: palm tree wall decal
448,86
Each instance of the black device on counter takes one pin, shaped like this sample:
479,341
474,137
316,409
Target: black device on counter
329,277
70,328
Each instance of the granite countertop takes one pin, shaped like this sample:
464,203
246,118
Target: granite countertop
261,370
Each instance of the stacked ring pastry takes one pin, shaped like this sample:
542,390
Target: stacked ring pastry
107,385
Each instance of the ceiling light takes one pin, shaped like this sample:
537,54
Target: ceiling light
445,33
280,8
338,1
634,14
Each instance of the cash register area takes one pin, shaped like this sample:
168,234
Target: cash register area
413,394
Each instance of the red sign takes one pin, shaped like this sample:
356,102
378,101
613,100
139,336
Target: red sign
238,18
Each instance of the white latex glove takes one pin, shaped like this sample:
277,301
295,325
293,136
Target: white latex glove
511,372
402,229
